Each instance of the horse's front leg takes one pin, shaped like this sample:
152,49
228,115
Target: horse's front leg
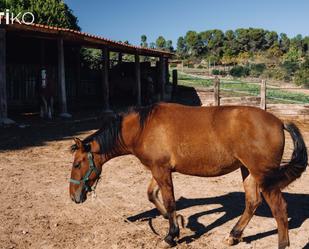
45,106
164,179
152,192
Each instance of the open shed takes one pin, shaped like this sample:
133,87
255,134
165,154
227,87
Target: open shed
24,49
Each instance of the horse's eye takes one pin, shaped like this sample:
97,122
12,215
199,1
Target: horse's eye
76,165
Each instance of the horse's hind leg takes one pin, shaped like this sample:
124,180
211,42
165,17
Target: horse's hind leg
278,208
253,200
153,191
164,179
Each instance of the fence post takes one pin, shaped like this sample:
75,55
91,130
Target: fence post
217,91
263,95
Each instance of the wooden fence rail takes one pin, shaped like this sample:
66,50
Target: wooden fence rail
262,94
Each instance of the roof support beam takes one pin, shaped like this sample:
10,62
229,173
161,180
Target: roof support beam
78,71
105,81
61,79
120,55
3,98
138,80
162,78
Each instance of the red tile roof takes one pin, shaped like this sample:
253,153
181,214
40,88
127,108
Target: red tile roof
85,38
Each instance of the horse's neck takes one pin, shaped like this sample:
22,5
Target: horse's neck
130,132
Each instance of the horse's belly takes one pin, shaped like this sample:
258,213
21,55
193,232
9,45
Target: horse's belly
206,166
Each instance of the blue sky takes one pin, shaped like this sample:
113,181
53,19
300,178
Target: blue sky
129,19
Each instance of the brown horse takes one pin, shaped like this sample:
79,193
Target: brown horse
198,141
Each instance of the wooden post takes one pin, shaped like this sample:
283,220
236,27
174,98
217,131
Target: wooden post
119,58
217,91
162,77
42,47
138,80
105,71
167,75
61,79
78,73
175,82
3,98
263,95
175,77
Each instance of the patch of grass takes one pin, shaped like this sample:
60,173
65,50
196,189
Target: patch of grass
240,87
192,81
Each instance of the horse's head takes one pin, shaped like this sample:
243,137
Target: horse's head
86,170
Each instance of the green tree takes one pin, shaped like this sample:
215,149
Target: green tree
144,41
297,43
306,45
48,12
230,48
215,42
271,37
256,39
302,75
152,45
169,46
292,55
284,42
161,42
193,42
242,39
181,47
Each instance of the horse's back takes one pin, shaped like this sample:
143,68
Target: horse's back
211,141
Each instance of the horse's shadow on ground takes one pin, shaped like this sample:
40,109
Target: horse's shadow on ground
232,206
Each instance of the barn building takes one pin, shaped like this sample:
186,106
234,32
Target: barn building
26,49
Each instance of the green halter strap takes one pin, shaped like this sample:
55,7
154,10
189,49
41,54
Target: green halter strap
85,179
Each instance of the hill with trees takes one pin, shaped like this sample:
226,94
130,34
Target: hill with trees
247,51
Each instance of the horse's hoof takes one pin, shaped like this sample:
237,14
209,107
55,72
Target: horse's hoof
283,245
170,242
165,216
231,241
163,245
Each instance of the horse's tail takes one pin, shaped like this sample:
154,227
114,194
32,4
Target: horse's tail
283,176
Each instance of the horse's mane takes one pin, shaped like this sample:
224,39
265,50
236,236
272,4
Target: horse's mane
109,136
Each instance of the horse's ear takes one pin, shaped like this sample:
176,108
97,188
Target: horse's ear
78,142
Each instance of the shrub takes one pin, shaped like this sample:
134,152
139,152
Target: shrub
257,70
275,73
222,73
290,67
218,72
239,71
302,77
215,72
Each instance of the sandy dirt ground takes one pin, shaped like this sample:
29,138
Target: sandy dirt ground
36,211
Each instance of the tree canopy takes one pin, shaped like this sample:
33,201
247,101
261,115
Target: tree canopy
48,12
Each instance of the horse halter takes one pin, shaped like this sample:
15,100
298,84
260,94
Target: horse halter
85,179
